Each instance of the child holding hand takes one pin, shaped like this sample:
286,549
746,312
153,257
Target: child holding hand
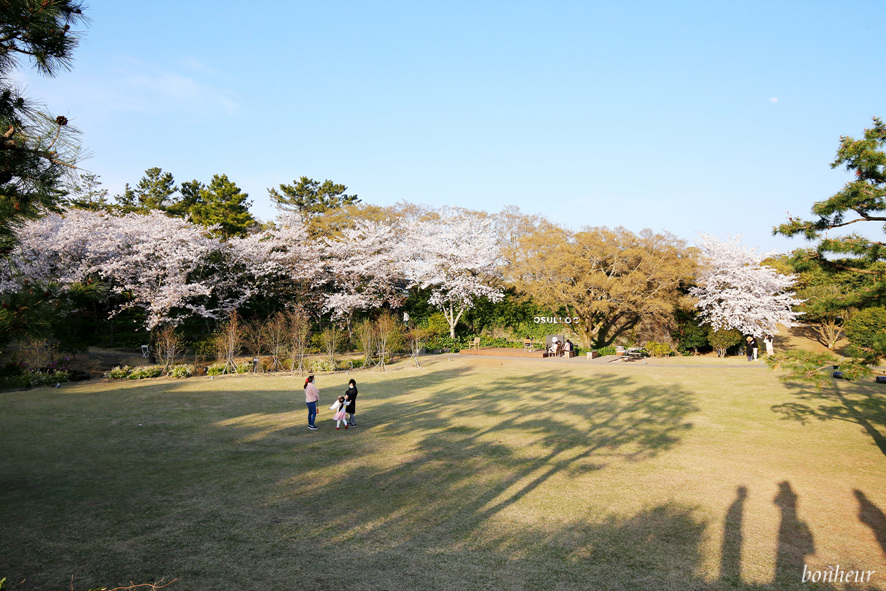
340,407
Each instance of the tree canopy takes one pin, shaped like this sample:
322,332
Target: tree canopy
736,291
309,197
611,279
221,203
36,149
860,200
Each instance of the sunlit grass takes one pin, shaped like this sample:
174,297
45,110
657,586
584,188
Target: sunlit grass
463,474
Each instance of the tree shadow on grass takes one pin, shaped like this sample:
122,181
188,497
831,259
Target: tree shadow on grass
863,404
460,489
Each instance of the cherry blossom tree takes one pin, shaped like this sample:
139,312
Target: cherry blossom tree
154,262
734,290
281,261
363,263
455,255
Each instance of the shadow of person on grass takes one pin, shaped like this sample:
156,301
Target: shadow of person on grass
871,515
460,489
795,539
730,551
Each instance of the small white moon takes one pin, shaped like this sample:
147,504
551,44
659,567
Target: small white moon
773,100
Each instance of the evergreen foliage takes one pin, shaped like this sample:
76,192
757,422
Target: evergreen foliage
721,340
865,327
222,203
37,150
860,200
309,197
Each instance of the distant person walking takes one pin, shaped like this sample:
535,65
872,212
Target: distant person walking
770,350
351,397
749,348
312,397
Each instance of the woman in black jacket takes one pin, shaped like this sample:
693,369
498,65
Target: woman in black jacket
351,397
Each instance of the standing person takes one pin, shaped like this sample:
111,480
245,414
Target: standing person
769,348
312,397
351,397
749,348
756,348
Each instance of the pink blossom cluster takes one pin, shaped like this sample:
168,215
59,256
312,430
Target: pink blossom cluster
735,291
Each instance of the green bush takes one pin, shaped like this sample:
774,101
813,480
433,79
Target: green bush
11,369
244,367
446,342
721,340
119,373
500,343
205,347
608,350
147,371
322,365
181,371
865,327
349,363
216,369
33,379
437,325
659,349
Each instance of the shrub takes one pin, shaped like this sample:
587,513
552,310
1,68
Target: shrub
119,373
205,347
34,378
865,327
244,367
322,365
350,363
500,342
216,369
721,340
181,371
446,342
659,349
147,371
11,369
608,350
437,325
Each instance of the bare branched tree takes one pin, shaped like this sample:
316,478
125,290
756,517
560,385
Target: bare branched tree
389,337
167,345
366,337
416,338
330,339
276,336
299,337
228,340
254,340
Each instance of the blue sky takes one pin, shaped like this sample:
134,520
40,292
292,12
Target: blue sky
680,116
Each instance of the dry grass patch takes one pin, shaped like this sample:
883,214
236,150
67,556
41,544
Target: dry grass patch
462,474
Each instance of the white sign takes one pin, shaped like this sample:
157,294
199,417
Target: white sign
556,319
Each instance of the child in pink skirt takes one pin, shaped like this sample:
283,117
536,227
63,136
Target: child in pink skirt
340,415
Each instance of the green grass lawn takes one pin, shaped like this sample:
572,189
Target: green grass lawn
464,474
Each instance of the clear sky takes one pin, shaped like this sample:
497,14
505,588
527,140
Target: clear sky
718,117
